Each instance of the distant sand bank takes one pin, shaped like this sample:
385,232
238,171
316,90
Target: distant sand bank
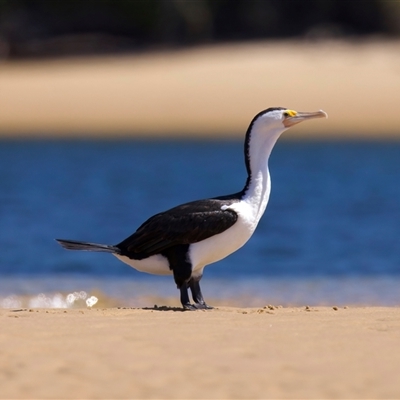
241,353
211,91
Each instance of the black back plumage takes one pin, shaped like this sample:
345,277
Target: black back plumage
185,224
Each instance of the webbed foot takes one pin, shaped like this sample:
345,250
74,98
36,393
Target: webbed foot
196,306
202,306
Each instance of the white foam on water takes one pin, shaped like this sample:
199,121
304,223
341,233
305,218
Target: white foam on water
10,302
42,300
91,301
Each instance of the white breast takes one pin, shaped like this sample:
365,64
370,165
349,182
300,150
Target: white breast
219,246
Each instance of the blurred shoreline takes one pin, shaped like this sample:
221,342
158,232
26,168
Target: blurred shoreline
209,91
54,291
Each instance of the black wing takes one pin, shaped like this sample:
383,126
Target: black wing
185,224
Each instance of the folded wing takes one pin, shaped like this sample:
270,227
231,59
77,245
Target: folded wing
185,224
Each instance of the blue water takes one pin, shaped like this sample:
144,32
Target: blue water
331,232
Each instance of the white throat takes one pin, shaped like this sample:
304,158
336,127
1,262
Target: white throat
258,187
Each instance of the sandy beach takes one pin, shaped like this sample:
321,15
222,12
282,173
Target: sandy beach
163,353
211,90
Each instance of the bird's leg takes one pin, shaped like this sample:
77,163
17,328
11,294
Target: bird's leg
182,284
185,297
182,270
199,303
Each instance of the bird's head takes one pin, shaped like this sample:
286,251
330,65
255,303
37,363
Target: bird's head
267,126
277,119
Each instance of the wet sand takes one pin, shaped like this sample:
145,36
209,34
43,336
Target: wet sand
243,353
212,90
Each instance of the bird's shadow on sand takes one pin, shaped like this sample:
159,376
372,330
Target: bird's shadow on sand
156,308
165,308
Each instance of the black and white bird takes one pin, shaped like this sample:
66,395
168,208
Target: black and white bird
186,238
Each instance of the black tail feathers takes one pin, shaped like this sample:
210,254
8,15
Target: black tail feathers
75,245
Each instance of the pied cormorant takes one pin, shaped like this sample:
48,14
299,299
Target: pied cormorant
186,238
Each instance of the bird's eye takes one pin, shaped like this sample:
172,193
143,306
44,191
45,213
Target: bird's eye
289,113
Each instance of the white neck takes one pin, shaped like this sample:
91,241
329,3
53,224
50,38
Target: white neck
258,187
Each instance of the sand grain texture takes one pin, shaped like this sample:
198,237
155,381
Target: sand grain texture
223,353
